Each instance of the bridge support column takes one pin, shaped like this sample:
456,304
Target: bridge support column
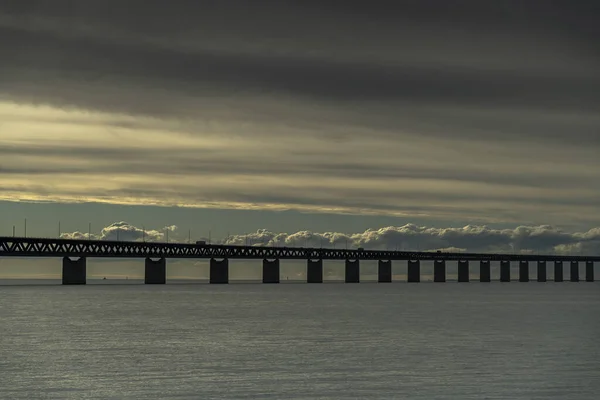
504,271
439,271
219,271
271,271
523,271
352,274
155,272
314,271
414,271
589,271
574,271
463,271
74,271
384,271
541,271
558,271
485,271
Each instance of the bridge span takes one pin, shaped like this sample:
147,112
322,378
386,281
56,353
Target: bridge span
76,252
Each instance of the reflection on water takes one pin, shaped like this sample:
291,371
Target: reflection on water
298,341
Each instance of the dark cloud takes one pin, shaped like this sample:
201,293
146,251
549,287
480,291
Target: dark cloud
495,103
238,49
210,162
212,72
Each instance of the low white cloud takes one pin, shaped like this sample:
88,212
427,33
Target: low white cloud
123,231
543,239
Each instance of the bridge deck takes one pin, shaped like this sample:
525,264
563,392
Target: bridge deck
44,247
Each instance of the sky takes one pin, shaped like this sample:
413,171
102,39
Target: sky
464,125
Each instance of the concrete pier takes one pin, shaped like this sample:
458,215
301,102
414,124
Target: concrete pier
270,271
314,271
219,271
384,271
74,271
523,271
155,272
574,271
74,253
504,271
414,271
541,271
439,271
352,274
589,271
558,271
463,271
485,271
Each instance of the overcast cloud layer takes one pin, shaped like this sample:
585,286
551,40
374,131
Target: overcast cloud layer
477,111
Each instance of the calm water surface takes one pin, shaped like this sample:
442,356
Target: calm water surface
298,341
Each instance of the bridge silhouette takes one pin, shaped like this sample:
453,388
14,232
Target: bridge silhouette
75,253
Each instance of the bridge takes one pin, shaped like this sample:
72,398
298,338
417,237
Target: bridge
76,252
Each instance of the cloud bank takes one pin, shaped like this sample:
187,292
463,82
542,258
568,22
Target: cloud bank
467,111
542,239
123,231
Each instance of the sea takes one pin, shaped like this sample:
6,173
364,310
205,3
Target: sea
121,340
